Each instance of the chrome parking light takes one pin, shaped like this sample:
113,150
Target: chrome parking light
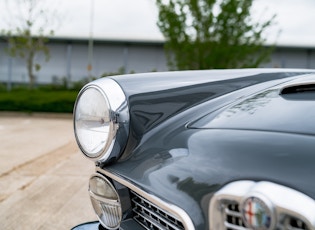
105,201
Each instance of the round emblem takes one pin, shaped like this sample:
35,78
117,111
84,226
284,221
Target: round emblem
256,214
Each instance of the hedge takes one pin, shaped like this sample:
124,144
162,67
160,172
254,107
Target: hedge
38,100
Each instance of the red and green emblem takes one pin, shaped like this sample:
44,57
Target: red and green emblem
256,214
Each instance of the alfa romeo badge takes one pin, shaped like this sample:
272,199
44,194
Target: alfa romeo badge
257,215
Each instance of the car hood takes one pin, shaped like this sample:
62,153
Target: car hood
284,108
155,98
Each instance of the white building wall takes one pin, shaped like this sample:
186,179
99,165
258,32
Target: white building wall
13,69
55,67
292,57
107,59
69,59
146,59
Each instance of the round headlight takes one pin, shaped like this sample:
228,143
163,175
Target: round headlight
101,120
93,124
105,201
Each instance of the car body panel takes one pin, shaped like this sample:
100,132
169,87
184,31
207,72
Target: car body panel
191,133
194,170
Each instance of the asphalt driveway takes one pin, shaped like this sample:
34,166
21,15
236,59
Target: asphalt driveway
43,177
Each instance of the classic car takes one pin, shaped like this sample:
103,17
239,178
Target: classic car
213,149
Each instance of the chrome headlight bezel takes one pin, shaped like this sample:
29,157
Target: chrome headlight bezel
111,95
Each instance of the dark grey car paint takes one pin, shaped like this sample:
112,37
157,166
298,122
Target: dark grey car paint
177,152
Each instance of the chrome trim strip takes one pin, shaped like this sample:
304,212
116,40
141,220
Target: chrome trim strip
172,209
232,213
234,227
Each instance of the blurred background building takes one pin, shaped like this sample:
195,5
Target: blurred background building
69,59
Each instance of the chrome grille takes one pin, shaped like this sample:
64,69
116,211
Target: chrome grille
290,209
232,216
233,219
293,223
152,217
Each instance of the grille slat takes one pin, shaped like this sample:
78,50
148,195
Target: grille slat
147,222
233,227
150,213
152,217
232,213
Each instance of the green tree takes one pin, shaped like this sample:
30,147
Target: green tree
28,36
208,34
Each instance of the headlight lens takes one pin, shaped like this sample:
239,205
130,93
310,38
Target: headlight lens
92,122
105,201
101,120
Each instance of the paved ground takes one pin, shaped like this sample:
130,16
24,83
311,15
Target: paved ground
43,176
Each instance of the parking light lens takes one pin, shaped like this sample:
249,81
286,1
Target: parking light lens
105,201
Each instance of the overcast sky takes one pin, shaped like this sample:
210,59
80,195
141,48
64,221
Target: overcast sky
126,19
